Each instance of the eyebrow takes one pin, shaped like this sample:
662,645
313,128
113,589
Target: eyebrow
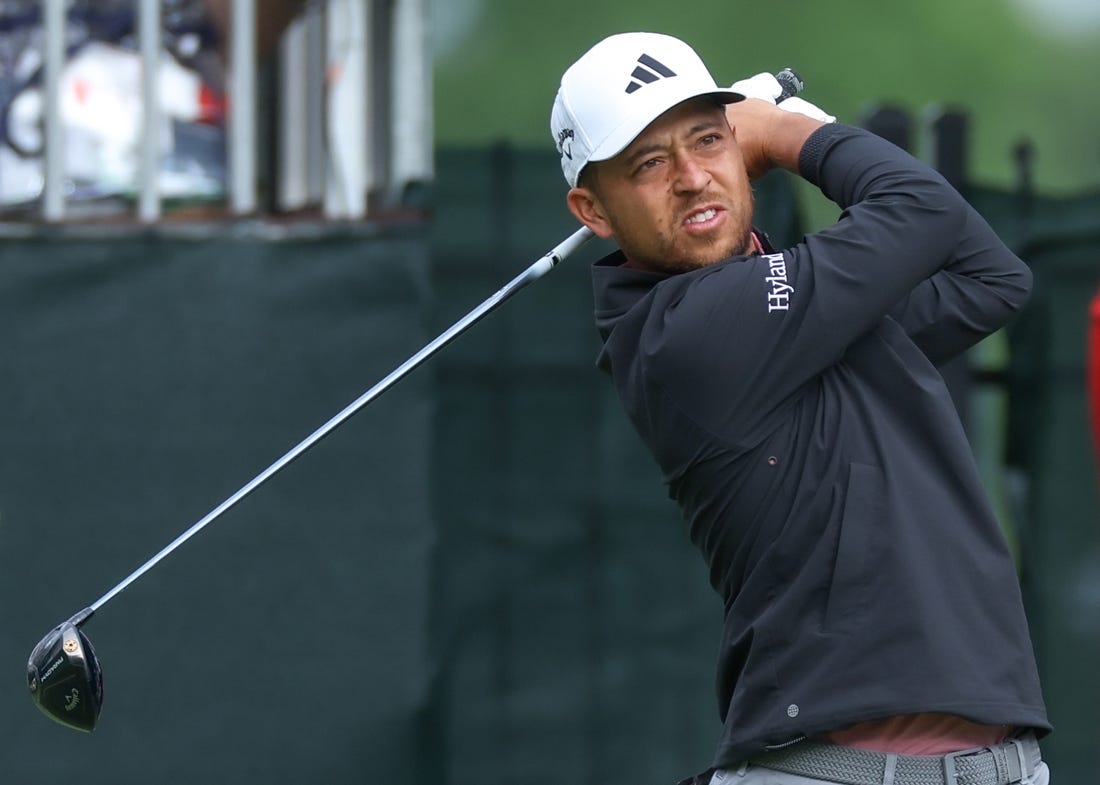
641,152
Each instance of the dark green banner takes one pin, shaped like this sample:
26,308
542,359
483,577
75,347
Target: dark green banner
144,380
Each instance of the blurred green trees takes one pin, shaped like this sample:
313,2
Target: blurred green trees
498,63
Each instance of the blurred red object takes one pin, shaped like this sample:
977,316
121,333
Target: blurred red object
1093,372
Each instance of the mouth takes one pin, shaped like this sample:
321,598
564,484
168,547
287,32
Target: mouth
702,220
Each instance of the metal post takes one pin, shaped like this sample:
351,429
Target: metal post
412,97
149,42
315,104
53,156
301,112
242,107
945,132
293,135
892,123
1023,157
348,95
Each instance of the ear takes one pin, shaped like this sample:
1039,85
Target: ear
585,205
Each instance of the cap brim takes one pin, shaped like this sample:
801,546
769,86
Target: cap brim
627,131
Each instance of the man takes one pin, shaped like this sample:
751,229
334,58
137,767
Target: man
873,620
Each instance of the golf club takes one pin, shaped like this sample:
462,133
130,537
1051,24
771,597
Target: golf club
63,672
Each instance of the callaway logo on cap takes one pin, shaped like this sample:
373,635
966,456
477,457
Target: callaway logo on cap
617,88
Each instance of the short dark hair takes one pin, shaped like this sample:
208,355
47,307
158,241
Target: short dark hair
587,176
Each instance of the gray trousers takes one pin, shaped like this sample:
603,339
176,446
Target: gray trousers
747,774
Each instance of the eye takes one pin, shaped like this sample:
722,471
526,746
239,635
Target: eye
709,139
648,165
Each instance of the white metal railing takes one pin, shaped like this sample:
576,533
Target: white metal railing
53,199
242,107
149,43
354,85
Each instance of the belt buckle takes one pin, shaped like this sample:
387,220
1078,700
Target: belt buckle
1011,761
1003,763
950,776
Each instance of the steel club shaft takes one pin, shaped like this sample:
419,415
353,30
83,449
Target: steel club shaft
536,271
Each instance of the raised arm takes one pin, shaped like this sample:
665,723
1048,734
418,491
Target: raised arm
973,295
769,137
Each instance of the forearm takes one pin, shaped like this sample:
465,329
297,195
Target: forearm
787,140
769,136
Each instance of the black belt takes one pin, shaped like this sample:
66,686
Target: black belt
1000,764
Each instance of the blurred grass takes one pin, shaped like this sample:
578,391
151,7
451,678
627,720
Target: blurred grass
495,78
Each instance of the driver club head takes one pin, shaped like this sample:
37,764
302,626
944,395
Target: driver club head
64,677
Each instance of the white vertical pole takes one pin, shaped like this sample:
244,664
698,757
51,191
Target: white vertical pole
53,155
302,108
149,43
242,107
411,80
348,96
315,106
294,116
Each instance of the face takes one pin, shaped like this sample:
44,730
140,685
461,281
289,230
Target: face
678,198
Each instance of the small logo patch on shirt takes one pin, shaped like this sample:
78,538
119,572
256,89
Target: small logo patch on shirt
779,295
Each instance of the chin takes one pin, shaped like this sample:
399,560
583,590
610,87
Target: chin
714,253
684,257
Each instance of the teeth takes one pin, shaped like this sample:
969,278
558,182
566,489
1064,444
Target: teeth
706,215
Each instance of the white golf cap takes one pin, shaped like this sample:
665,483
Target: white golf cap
617,88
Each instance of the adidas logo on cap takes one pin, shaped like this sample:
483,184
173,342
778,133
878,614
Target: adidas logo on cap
649,70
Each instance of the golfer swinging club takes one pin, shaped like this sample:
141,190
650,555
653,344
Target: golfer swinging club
873,630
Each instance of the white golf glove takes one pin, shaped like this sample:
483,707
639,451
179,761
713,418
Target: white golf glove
767,88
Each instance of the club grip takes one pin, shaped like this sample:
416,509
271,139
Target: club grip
791,82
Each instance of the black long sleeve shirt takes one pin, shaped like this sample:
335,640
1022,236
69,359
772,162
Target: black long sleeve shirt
793,403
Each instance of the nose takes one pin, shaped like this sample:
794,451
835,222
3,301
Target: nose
691,175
